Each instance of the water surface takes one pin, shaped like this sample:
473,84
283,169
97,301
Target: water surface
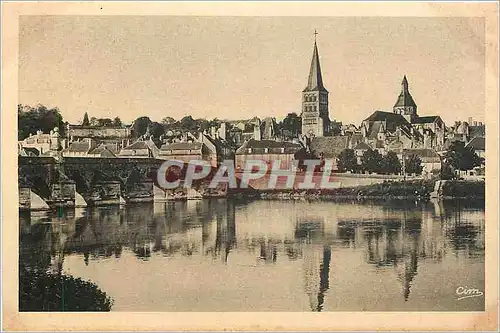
222,255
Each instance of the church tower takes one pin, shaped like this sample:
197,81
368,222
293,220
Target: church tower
405,105
315,119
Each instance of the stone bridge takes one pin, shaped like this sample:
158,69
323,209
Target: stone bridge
46,182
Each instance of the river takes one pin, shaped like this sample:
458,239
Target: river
225,255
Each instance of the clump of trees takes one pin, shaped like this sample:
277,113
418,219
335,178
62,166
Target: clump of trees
101,122
413,165
374,162
462,158
32,119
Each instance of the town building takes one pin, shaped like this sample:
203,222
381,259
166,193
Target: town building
89,147
188,151
75,132
404,126
140,149
45,144
267,151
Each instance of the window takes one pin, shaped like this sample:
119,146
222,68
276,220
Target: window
315,108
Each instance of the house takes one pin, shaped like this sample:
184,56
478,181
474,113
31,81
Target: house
140,149
329,147
26,151
188,151
360,149
79,148
76,132
267,151
44,143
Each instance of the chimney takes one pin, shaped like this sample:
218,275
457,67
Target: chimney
222,131
256,132
480,123
475,123
470,120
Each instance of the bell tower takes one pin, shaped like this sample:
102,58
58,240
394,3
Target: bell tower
315,118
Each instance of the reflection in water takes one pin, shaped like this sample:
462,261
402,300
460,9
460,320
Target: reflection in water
393,247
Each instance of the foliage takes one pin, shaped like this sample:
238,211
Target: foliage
372,161
461,157
101,122
117,122
291,125
446,172
41,291
31,119
413,165
86,121
347,161
188,123
140,126
391,163
168,121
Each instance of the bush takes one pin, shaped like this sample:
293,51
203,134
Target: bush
40,291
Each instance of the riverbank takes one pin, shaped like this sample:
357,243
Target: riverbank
409,190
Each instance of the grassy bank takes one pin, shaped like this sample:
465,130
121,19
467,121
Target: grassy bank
464,189
414,190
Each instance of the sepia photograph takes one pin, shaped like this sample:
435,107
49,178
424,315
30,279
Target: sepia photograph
252,163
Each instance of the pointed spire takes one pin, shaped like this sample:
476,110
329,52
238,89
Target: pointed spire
404,84
404,98
315,81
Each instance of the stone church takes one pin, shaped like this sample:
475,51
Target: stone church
403,127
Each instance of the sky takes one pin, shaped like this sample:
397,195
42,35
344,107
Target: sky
241,67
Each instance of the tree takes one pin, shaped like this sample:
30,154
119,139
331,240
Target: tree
32,119
461,157
155,130
391,163
372,161
413,165
117,122
347,161
86,121
188,123
140,126
291,125
168,121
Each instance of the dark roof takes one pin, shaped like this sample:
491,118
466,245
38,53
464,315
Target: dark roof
329,146
363,146
374,130
259,146
478,143
103,151
425,120
31,151
79,147
387,116
477,131
182,146
315,81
